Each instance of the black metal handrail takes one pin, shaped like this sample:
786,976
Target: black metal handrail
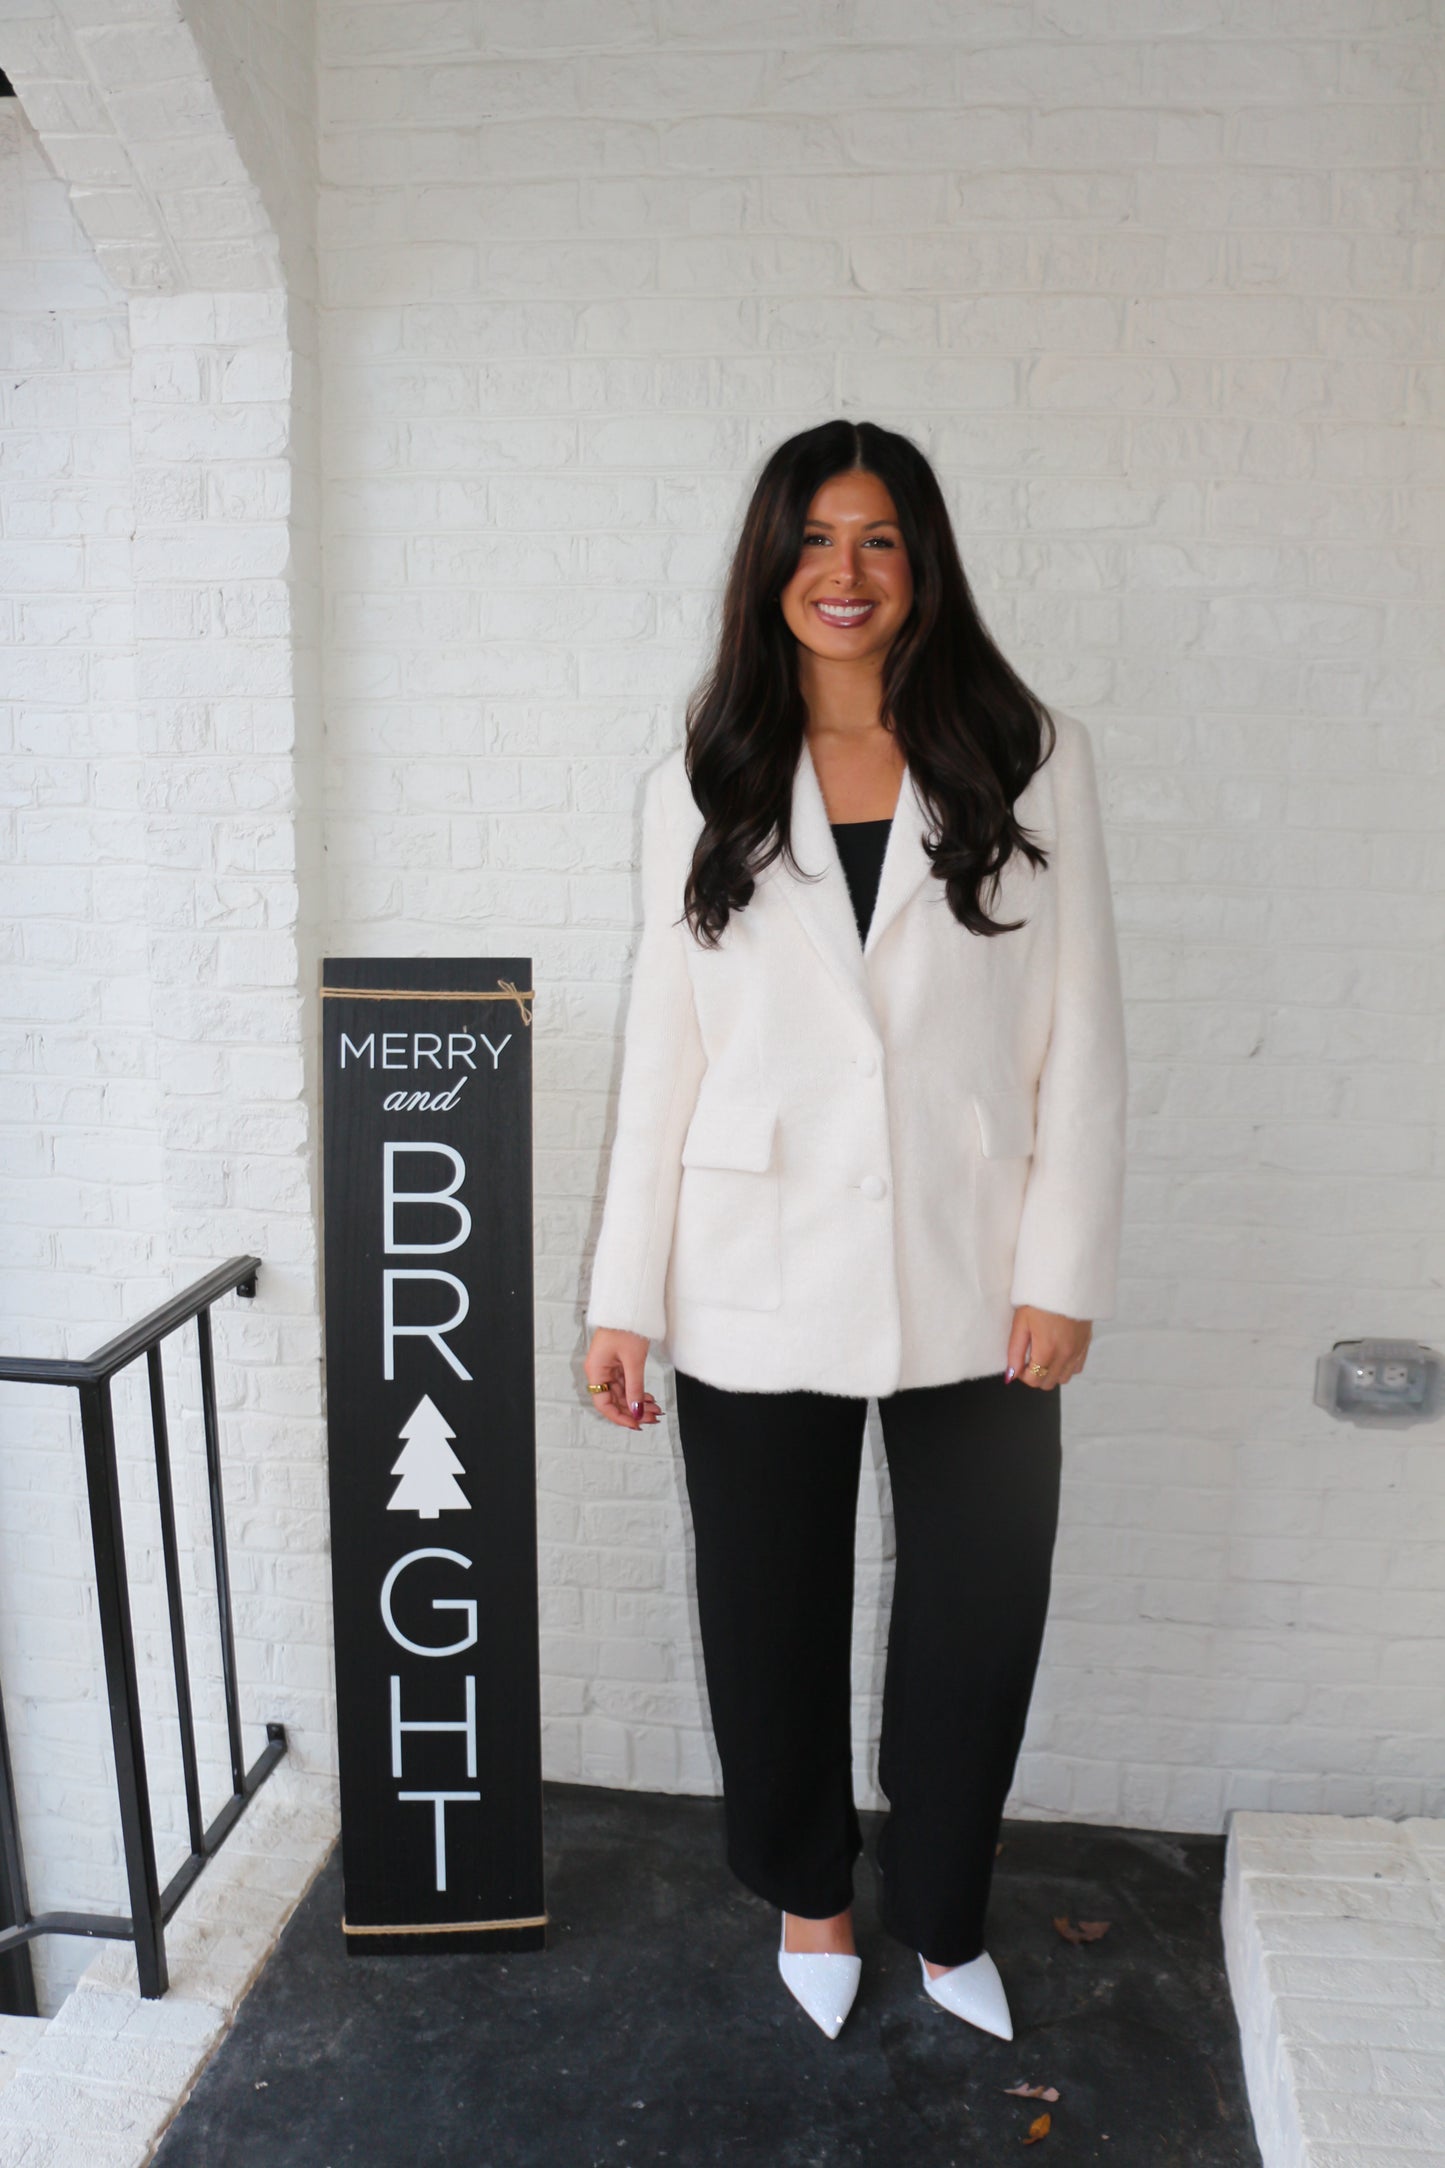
151,1906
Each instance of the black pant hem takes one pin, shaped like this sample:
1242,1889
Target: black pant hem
774,1892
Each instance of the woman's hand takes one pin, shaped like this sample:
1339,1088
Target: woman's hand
1057,1343
618,1360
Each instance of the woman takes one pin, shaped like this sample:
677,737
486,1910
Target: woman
869,1143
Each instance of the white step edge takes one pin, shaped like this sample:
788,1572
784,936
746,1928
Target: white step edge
1334,1947
98,2085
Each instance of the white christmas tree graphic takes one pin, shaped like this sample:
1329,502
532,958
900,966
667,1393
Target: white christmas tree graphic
427,1466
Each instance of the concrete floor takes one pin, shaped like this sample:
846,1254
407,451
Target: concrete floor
655,2028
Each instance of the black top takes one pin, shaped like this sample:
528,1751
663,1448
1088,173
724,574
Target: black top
861,845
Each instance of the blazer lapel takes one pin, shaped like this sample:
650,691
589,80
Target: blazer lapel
906,865
823,904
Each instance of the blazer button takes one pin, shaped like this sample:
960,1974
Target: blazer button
873,1185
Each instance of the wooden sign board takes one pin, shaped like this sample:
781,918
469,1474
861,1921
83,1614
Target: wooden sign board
427,1203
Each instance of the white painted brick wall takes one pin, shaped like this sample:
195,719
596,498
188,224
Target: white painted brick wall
189,841
123,101
219,673
261,59
83,1207
1156,291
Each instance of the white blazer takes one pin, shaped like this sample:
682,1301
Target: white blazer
840,1165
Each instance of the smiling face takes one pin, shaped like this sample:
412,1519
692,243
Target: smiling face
853,587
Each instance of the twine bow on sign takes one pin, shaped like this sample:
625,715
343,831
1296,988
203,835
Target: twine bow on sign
521,999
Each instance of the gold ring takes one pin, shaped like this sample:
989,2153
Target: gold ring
1039,1369
599,1388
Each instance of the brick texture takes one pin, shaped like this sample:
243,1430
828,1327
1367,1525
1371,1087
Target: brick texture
162,511
1334,1940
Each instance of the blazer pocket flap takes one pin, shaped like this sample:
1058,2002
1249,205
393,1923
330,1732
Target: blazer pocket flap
1005,1124
731,1133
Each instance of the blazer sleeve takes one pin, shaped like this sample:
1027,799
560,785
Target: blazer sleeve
1071,1224
662,1067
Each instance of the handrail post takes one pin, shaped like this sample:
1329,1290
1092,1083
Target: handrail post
17,1974
219,1552
175,1600
97,1424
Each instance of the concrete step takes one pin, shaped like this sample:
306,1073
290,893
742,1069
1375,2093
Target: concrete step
1334,1944
19,2037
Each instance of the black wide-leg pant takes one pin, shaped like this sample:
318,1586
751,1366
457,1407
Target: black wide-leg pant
772,1480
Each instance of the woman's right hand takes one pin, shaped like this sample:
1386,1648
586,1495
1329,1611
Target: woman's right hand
618,1360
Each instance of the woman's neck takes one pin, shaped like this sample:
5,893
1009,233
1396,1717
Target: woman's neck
842,699
859,771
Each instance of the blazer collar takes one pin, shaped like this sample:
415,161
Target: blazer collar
824,905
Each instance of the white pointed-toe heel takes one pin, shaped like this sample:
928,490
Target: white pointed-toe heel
824,1982
973,1991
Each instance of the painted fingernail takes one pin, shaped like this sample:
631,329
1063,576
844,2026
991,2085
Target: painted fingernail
636,1406
1009,1375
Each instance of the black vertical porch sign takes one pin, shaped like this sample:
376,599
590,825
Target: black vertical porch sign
427,1215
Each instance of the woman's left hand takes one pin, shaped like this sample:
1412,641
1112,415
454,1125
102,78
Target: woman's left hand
1043,1340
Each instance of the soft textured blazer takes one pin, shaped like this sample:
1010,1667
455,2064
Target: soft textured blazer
841,1164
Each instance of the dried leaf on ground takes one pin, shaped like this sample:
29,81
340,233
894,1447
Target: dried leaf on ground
1033,2092
1038,2128
1083,1930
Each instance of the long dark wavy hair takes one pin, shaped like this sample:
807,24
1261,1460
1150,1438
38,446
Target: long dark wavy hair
969,728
